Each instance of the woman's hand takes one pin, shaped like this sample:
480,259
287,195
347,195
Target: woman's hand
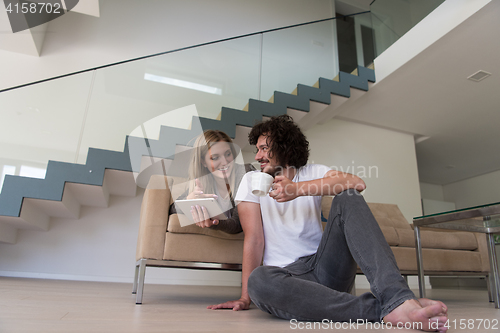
201,217
198,192
200,213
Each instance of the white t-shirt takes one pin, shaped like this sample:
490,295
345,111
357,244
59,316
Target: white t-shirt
291,229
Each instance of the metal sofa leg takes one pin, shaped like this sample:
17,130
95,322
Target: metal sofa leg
142,274
136,276
489,277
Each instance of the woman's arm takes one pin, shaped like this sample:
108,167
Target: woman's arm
232,225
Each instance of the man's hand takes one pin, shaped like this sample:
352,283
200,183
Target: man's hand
241,304
283,189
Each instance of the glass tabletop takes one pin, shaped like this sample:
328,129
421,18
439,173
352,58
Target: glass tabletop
457,210
484,218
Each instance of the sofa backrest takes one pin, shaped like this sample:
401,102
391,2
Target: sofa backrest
178,186
387,215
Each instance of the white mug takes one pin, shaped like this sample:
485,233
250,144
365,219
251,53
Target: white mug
261,183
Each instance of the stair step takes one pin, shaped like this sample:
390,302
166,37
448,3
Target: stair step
120,183
8,233
68,207
31,217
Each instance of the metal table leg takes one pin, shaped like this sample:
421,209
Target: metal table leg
420,265
494,273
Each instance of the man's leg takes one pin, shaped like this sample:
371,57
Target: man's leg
295,294
316,287
353,234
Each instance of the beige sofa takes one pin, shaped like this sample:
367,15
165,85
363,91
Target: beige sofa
162,242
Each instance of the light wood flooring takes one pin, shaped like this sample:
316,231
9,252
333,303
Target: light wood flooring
39,306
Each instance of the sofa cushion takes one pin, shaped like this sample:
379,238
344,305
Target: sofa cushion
438,260
174,226
390,235
201,248
436,239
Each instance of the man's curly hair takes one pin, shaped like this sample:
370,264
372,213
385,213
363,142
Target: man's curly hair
285,140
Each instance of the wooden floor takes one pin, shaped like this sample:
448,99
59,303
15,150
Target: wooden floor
34,305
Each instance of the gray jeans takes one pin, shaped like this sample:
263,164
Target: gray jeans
317,287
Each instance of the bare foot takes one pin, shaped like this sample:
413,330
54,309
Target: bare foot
426,302
431,317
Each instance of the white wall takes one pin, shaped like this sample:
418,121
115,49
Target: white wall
433,199
128,29
385,160
431,191
474,191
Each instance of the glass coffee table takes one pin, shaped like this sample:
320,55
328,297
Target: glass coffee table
484,219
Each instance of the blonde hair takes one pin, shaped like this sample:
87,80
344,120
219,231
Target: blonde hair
197,170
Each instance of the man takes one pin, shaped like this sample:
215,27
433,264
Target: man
308,274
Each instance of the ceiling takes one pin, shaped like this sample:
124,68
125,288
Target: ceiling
430,96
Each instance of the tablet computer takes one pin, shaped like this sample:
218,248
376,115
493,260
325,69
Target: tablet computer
212,206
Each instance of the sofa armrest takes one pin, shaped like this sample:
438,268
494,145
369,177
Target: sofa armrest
154,219
482,247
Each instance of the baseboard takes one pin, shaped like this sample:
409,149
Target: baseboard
199,279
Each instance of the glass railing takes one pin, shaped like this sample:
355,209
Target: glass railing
391,19
60,119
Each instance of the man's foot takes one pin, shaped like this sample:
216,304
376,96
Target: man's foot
426,302
429,317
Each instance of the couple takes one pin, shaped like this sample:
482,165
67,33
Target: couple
308,274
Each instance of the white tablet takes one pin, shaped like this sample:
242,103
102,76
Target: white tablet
212,206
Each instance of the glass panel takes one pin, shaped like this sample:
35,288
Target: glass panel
298,55
42,122
365,39
210,77
393,18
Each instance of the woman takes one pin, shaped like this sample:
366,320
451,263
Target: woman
214,174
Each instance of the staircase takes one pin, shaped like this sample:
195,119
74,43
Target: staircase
29,203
